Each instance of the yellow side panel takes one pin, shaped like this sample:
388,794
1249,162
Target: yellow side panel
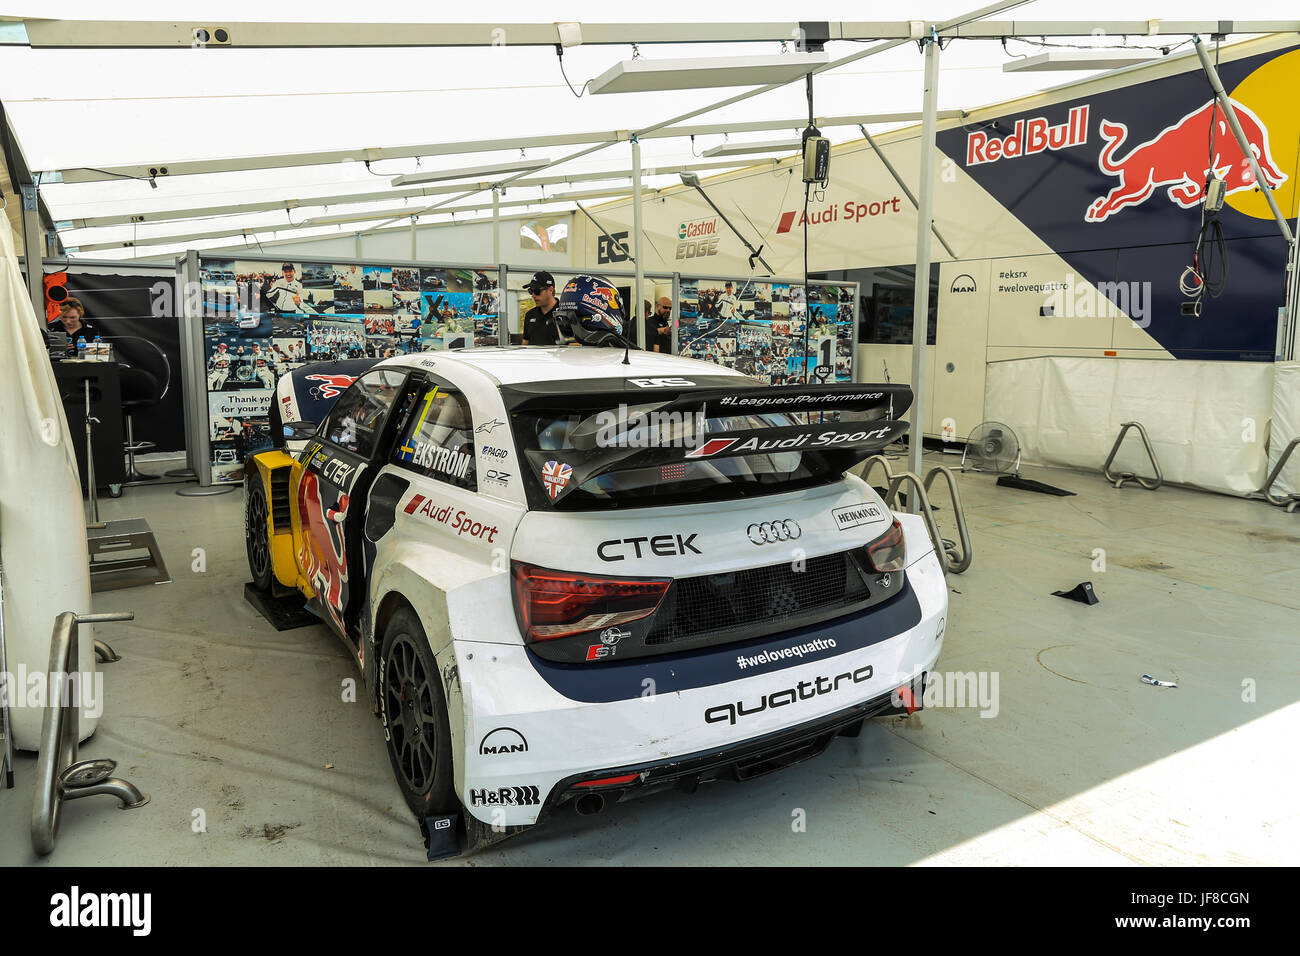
285,543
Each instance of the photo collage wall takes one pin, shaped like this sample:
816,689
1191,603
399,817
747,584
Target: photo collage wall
262,318
758,328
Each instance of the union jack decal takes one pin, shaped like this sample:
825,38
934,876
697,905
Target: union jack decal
555,475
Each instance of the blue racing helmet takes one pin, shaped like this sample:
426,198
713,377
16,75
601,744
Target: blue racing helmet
591,311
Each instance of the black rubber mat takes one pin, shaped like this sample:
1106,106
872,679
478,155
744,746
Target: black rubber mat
1028,484
282,613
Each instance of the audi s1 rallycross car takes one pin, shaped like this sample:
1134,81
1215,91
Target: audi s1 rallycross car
576,574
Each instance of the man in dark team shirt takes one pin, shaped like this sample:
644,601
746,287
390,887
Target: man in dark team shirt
539,324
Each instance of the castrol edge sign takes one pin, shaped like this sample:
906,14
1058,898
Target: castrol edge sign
1029,136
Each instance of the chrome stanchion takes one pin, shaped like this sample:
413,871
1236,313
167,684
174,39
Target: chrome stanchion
60,776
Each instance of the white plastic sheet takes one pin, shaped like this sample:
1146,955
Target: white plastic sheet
1286,426
1206,420
42,526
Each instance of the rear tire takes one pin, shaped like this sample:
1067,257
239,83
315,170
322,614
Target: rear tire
257,539
413,709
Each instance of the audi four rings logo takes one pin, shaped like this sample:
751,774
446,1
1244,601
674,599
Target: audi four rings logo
770,532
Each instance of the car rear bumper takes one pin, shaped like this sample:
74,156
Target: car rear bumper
534,734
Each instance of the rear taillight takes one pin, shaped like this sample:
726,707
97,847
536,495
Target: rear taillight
887,552
553,604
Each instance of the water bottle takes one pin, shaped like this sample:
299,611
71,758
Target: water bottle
81,347
97,350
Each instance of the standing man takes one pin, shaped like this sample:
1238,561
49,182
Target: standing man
539,323
727,304
659,334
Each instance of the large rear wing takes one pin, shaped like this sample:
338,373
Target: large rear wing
667,432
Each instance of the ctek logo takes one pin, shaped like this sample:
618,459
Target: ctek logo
503,740
851,211
661,545
1028,138
962,284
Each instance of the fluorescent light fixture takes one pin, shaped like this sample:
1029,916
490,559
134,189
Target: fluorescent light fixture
1057,60
647,75
768,146
482,173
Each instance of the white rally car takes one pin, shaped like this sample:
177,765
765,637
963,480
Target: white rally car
569,574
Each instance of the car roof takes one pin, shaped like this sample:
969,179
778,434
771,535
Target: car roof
510,365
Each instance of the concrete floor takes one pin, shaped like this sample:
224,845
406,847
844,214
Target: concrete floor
222,719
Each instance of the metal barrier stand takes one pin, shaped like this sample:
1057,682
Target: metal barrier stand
1151,484
955,559
1291,501
60,776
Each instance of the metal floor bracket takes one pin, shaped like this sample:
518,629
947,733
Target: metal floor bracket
1118,480
60,775
125,535
1289,502
954,558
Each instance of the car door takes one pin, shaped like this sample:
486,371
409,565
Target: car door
338,467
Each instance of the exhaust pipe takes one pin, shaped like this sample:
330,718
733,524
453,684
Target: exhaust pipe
589,804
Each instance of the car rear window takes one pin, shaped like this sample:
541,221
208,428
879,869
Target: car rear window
566,434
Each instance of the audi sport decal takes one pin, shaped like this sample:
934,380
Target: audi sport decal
770,532
712,447
826,439
855,515
555,475
459,521
506,797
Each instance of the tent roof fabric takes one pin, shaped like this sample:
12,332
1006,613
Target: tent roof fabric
99,108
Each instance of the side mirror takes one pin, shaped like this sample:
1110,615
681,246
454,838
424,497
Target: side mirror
299,429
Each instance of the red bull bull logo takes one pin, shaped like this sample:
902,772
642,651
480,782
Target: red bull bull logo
1178,158
333,385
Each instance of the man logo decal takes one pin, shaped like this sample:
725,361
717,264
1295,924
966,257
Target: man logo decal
503,740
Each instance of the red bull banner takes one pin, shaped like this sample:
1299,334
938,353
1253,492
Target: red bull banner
1114,183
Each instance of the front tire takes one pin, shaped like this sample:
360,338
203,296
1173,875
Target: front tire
257,539
414,713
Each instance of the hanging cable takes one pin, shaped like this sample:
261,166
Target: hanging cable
559,53
1209,269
